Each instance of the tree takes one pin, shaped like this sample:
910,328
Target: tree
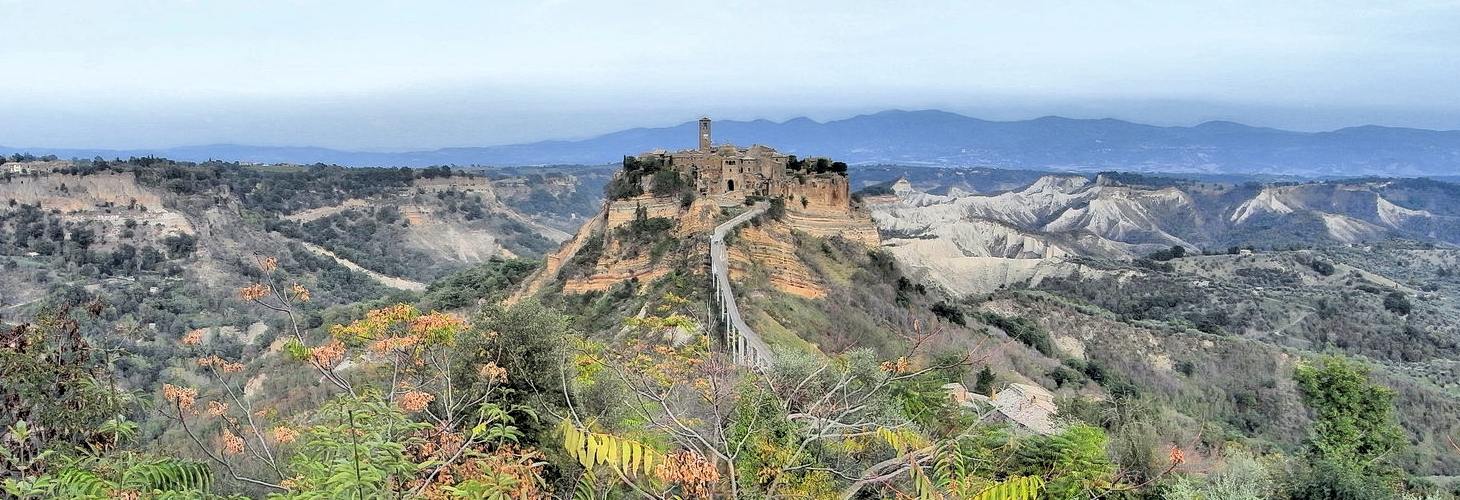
422,405
180,245
1398,303
1354,433
63,421
55,396
985,382
1175,252
1241,476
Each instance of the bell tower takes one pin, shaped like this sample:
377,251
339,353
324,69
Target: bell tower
705,133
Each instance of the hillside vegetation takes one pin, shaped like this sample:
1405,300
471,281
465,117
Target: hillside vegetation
248,359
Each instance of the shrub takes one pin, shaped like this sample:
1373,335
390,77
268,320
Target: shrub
668,183
1175,252
949,312
490,280
1398,303
1321,267
1023,330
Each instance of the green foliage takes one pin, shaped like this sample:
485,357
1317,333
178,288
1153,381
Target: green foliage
630,181
356,449
1014,488
55,394
111,476
923,401
759,419
985,383
64,244
1325,479
1175,252
950,312
586,259
1398,303
649,228
1074,462
490,281
1022,330
528,340
1353,418
359,236
180,245
669,183
1240,476
777,209
988,461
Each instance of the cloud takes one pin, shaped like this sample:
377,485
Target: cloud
373,73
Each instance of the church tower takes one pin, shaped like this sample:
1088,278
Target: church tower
705,134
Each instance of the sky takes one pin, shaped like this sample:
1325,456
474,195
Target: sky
401,75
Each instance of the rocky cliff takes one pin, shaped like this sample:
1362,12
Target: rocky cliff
612,248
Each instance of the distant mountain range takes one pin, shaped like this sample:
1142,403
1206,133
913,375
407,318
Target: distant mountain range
941,138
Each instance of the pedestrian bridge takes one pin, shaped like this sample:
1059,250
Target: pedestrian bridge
746,346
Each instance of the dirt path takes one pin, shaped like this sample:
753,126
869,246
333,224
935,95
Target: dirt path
322,212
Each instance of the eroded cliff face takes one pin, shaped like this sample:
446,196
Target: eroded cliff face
822,207
627,256
770,249
607,250
106,199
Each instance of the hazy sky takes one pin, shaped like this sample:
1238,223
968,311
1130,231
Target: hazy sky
366,74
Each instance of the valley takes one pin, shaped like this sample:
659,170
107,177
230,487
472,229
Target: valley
1069,289
285,250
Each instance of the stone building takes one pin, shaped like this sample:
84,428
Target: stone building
730,174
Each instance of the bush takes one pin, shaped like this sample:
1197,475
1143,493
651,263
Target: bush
777,209
985,382
1175,252
1398,303
949,312
491,280
180,245
1061,376
1321,267
583,262
627,184
1023,330
668,183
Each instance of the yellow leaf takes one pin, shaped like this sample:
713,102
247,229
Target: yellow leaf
603,446
590,456
613,451
648,463
638,457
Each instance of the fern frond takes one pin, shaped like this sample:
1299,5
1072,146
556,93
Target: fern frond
1015,488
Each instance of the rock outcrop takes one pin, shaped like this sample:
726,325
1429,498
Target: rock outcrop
771,248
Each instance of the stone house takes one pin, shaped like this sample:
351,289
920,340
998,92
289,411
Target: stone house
730,174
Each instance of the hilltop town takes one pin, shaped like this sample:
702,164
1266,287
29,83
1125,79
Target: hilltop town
661,195
733,174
